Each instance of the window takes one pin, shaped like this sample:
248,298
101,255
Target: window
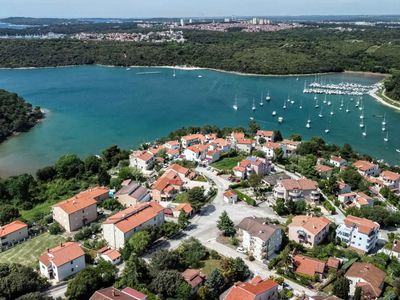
72,269
72,261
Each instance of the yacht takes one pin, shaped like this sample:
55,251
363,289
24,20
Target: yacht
362,124
309,119
274,113
174,74
320,113
308,125
315,97
200,76
365,131
316,103
284,104
347,109
325,100
341,104
301,104
384,120
251,119
280,119
261,100
386,139
329,103
362,115
327,130
383,128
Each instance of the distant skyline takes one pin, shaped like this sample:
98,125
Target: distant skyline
192,8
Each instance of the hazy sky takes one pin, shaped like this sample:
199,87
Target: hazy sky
177,8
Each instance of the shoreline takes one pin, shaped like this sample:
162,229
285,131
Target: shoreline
374,94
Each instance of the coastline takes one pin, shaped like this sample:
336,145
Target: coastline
374,94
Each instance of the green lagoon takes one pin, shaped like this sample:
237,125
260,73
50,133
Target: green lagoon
93,107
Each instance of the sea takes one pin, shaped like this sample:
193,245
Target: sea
90,108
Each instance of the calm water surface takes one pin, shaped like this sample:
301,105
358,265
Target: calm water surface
93,107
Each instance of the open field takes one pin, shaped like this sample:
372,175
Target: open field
28,252
227,163
210,265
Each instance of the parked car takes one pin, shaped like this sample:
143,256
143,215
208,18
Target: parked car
241,250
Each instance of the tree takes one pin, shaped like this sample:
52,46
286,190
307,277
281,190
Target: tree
235,269
341,287
55,229
357,293
166,283
253,127
21,187
192,252
254,180
8,213
280,207
111,204
103,177
17,280
279,156
295,137
196,197
46,174
92,164
169,229
351,177
277,136
112,155
226,225
262,141
135,272
164,260
69,166
183,219
139,242
215,284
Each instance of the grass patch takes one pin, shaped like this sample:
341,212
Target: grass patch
227,163
28,252
210,265
200,178
42,208
372,49
245,198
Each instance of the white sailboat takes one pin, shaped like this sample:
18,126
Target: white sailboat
261,100
254,105
362,123
329,103
280,119
274,113
365,131
320,113
347,109
361,105
325,100
268,98
315,97
284,104
308,125
235,106
309,119
316,103
384,120
362,115
174,74
301,104
386,139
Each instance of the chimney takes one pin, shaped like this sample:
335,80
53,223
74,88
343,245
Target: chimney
113,292
61,244
48,250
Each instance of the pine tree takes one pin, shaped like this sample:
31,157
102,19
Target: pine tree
226,225
341,287
183,220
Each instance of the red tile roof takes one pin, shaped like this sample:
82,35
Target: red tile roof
82,200
130,218
250,290
323,168
11,227
265,133
62,254
389,175
365,226
312,224
134,293
110,253
112,293
193,277
333,263
308,266
373,276
363,165
229,194
186,207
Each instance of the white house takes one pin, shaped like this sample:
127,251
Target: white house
390,179
111,255
338,161
295,189
230,197
394,252
196,153
192,139
270,147
62,261
366,168
267,135
142,160
260,239
13,233
354,199
358,233
120,227
244,145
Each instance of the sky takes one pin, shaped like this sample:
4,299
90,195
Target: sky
193,8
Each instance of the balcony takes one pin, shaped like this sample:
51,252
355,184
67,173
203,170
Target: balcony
295,194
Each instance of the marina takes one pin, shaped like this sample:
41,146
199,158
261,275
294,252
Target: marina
93,107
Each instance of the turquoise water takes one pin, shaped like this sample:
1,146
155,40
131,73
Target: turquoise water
93,107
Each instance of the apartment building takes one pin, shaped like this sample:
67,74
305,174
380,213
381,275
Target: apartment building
308,230
13,233
295,189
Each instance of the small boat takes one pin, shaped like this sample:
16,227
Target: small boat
261,100
254,105
309,119
315,97
268,98
365,131
332,113
274,113
301,104
329,103
327,130
386,139
174,74
347,109
316,104
292,101
200,76
384,120
320,113
284,104
325,100
251,119
341,104
383,128
362,124
362,115
235,106
280,119
308,125
398,150
128,69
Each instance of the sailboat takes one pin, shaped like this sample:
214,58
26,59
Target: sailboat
274,113
305,87
268,98
316,103
280,119
347,109
362,115
254,105
308,125
315,97
361,105
329,103
384,120
284,104
362,123
309,119
235,106
386,139
301,104
327,130
332,112
325,100
320,113
365,131
174,74
261,100
341,105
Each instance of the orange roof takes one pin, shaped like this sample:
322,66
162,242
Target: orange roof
238,135
11,227
110,253
307,184
155,150
193,277
313,225
250,290
229,193
372,275
179,169
172,143
145,156
265,133
62,254
221,142
308,266
168,179
337,158
363,165
245,141
389,175
322,168
365,226
173,152
193,137
271,145
130,218
82,200
186,207
333,263
198,148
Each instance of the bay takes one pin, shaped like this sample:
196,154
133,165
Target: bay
93,107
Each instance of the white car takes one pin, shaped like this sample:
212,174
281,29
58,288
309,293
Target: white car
241,250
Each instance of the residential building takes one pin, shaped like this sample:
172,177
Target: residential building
290,146
235,136
196,153
251,165
121,226
194,278
221,145
394,252
358,233
185,207
269,149
309,266
333,263
308,230
192,139
255,289
244,145
211,156
13,233
184,173
266,135
62,261
338,161
260,239
390,179
366,168
111,255
230,197
167,186
323,170
295,189
112,293
368,277
142,160
343,187
132,194
355,199
172,145
80,210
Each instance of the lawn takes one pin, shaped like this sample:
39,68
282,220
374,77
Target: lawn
210,265
27,253
227,163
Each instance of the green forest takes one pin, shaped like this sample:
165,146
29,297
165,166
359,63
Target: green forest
16,115
298,51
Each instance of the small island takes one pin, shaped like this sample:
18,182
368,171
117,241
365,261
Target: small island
16,115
